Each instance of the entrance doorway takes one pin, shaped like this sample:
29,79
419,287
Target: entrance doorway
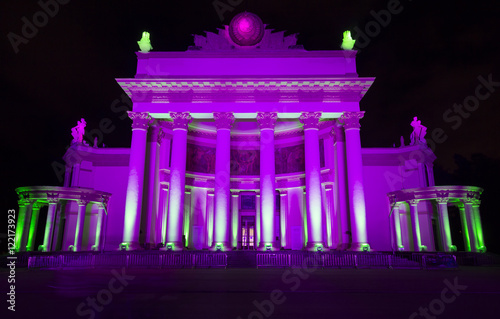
247,239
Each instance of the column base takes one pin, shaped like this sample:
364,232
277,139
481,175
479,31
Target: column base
315,246
127,246
359,247
173,246
221,247
267,247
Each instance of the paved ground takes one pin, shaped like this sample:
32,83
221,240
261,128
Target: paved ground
233,293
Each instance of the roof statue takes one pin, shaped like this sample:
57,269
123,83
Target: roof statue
145,43
418,134
78,132
245,31
347,41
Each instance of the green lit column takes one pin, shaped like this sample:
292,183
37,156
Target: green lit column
80,221
49,224
469,214
235,218
99,227
415,227
314,211
21,217
283,217
444,223
210,219
33,224
267,122
135,183
357,205
479,228
397,228
463,221
187,217
175,224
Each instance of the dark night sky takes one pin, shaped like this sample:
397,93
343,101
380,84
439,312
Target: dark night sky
426,59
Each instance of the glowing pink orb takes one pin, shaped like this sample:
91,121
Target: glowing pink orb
246,29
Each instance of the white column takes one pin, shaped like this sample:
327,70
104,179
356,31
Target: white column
20,227
133,202
80,221
177,181
210,219
313,180
396,222
471,224
222,213
152,186
99,227
284,218
164,157
35,213
49,224
341,199
355,180
186,228
235,227
415,227
444,223
479,228
463,222
266,122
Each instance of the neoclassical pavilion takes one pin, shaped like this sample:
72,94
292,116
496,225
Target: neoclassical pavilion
65,222
465,197
248,141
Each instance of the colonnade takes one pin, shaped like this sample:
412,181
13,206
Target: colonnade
32,199
169,214
465,197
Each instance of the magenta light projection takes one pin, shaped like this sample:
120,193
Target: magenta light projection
246,29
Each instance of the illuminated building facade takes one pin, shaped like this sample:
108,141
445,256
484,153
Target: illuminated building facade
248,141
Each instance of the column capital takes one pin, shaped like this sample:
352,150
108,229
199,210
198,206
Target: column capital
350,120
235,193
442,200
413,202
181,120
140,120
310,119
467,200
82,202
223,120
52,200
37,205
284,193
267,120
